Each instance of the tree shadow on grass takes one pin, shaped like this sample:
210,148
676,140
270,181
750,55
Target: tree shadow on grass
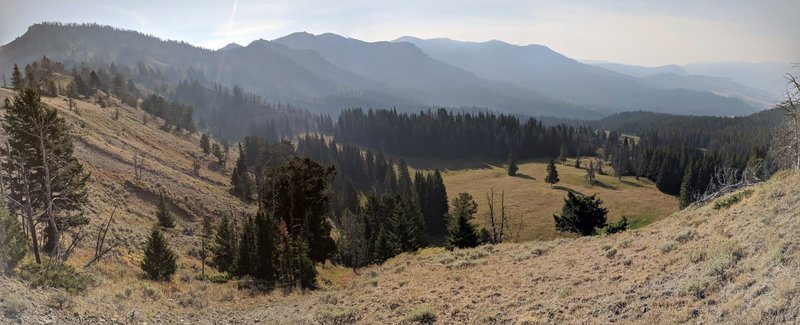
524,176
566,189
629,183
603,185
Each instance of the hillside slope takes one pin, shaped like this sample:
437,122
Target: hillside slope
737,265
700,265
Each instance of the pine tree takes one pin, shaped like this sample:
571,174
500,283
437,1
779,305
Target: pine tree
686,196
205,144
225,246
511,165
303,268
40,139
354,249
404,184
159,263
13,242
383,248
562,154
240,177
552,173
462,232
17,81
267,240
164,215
298,193
581,214
246,256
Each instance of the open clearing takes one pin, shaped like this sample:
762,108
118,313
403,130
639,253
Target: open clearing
533,202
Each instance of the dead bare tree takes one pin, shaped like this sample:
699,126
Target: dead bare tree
785,150
100,250
725,180
138,162
497,223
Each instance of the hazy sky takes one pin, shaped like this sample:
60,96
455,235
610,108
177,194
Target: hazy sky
635,32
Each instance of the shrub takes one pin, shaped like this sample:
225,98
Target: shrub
698,287
668,246
733,199
619,226
685,236
422,315
52,274
337,315
697,256
15,306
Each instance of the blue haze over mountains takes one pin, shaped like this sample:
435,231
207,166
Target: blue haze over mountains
327,73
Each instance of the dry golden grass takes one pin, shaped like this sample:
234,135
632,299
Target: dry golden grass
531,202
733,266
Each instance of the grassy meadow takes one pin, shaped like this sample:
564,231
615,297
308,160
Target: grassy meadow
531,202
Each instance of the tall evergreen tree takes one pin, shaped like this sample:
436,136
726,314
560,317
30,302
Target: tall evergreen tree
581,214
241,180
552,173
462,232
159,263
686,196
225,247
17,80
41,157
205,144
247,254
298,193
267,240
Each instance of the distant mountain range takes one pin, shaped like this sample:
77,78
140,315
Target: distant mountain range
328,72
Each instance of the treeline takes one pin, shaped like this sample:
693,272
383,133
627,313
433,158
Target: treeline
731,137
682,170
173,113
444,134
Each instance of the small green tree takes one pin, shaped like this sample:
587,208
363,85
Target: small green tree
164,216
686,195
159,263
581,214
619,226
462,232
205,144
511,165
13,243
552,173
562,154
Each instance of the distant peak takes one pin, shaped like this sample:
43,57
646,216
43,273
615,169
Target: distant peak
231,46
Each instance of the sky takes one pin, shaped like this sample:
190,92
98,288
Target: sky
640,32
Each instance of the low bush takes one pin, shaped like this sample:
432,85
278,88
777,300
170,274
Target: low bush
422,315
733,199
52,274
